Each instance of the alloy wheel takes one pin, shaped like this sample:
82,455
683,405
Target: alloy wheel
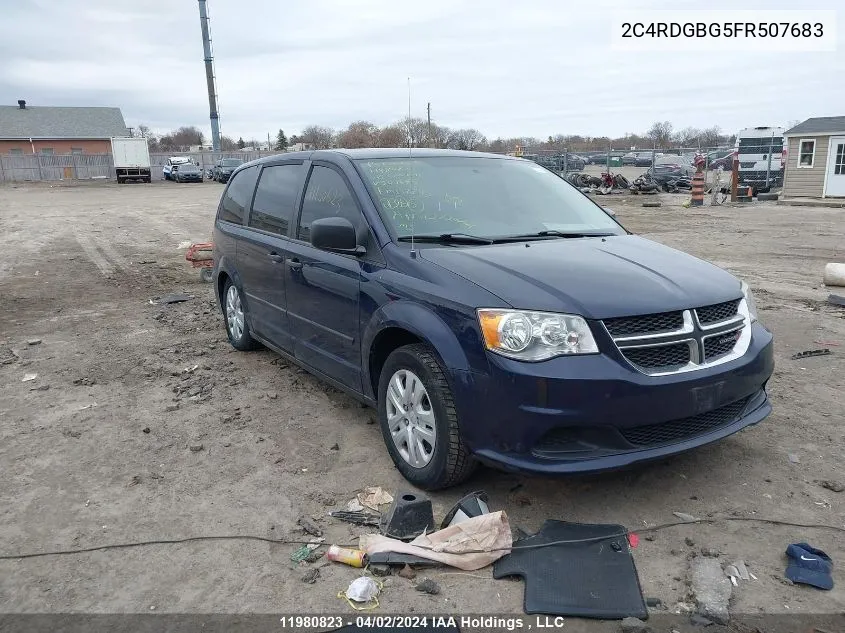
410,418
234,313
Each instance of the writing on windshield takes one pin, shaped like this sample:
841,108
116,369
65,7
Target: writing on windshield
403,193
482,196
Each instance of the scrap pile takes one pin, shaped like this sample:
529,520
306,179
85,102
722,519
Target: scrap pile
471,537
645,184
603,184
677,185
648,183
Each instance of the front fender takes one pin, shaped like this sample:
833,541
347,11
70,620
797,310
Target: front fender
422,322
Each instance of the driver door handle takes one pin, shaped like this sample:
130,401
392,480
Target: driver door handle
276,258
294,263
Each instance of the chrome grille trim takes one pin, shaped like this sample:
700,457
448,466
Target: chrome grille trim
694,334
687,328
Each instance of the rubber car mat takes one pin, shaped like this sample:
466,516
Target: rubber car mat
594,579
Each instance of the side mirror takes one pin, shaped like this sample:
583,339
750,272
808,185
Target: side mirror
609,212
336,235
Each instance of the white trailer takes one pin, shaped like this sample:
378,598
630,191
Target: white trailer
131,159
760,154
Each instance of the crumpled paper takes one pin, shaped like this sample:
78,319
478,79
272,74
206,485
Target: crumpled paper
470,545
372,497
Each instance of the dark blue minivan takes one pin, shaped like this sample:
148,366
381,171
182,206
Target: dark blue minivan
490,311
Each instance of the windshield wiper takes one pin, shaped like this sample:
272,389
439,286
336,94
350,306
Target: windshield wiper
447,238
552,233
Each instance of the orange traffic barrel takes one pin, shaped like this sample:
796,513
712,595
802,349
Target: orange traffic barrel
697,190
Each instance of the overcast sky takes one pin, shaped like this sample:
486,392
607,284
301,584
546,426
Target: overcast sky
508,68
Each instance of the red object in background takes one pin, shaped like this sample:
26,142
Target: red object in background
633,540
200,255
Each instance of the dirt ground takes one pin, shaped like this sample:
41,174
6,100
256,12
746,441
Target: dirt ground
144,424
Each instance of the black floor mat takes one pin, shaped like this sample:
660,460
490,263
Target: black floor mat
595,579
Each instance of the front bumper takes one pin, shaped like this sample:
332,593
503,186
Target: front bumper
592,413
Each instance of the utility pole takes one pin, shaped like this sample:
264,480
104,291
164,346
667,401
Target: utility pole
209,77
428,109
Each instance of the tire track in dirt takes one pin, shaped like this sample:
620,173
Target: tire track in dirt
94,256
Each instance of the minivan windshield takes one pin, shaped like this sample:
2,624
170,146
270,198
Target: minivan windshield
476,196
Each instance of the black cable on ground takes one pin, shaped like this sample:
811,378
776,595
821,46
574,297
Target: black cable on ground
224,537
249,537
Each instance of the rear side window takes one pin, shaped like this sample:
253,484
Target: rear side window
237,195
275,197
327,196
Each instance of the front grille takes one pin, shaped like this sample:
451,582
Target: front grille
717,312
645,324
661,356
676,430
720,344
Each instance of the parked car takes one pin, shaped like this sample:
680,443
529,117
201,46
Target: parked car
639,159
575,162
601,158
186,173
723,161
549,340
171,162
669,167
223,168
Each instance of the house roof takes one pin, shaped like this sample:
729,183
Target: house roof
818,125
60,122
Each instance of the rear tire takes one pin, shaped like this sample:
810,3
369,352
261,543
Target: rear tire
448,460
234,316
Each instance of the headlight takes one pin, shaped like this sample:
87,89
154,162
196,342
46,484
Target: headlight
533,336
749,301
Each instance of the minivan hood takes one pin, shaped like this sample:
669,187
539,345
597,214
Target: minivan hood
594,277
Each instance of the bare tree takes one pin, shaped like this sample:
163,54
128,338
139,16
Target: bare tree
143,131
439,136
688,137
711,137
415,131
660,133
467,138
498,146
392,136
359,134
228,144
318,136
182,138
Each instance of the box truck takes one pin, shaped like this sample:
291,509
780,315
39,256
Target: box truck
131,159
760,153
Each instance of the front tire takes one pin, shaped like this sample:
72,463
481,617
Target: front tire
234,315
419,421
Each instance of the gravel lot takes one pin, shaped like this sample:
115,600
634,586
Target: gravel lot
144,424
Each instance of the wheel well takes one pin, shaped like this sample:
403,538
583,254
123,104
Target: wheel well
385,343
222,278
